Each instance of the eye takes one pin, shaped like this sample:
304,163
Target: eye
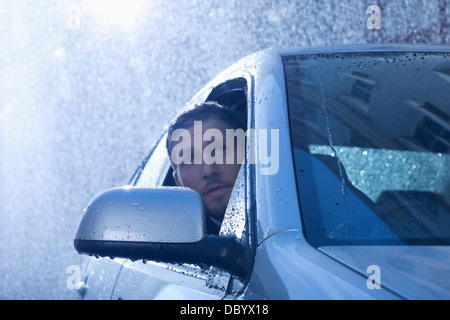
222,149
187,158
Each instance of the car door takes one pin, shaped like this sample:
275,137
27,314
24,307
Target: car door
153,280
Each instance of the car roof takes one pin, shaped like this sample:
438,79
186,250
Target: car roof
364,48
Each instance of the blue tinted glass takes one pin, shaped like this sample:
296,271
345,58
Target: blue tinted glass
371,138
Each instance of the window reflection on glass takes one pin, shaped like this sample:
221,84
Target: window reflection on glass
371,135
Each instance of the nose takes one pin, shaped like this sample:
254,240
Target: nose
210,170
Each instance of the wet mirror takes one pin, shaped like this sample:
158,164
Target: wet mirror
159,215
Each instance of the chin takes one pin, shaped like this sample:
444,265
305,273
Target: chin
218,214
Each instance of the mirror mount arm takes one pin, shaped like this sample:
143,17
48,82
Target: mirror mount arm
222,252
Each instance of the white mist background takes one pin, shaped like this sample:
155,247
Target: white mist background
86,87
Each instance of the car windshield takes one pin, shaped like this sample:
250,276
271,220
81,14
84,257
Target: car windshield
371,143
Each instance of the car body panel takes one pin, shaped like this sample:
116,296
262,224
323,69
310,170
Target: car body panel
159,281
288,268
414,272
100,277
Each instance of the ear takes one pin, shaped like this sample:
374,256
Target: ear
177,178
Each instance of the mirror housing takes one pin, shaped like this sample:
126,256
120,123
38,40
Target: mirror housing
144,215
165,224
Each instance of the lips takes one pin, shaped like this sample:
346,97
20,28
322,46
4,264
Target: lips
215,189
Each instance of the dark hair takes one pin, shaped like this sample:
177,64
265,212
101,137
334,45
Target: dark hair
202,112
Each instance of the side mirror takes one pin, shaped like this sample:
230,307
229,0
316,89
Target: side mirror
165,224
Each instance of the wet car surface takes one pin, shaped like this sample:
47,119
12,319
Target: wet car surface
344,194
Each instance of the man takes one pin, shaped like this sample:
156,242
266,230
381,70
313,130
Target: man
205,156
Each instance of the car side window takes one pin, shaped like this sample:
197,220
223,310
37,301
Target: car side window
156,168
235,218
235,223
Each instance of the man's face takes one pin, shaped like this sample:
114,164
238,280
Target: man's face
213,181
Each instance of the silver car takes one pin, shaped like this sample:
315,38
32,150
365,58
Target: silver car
344,192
